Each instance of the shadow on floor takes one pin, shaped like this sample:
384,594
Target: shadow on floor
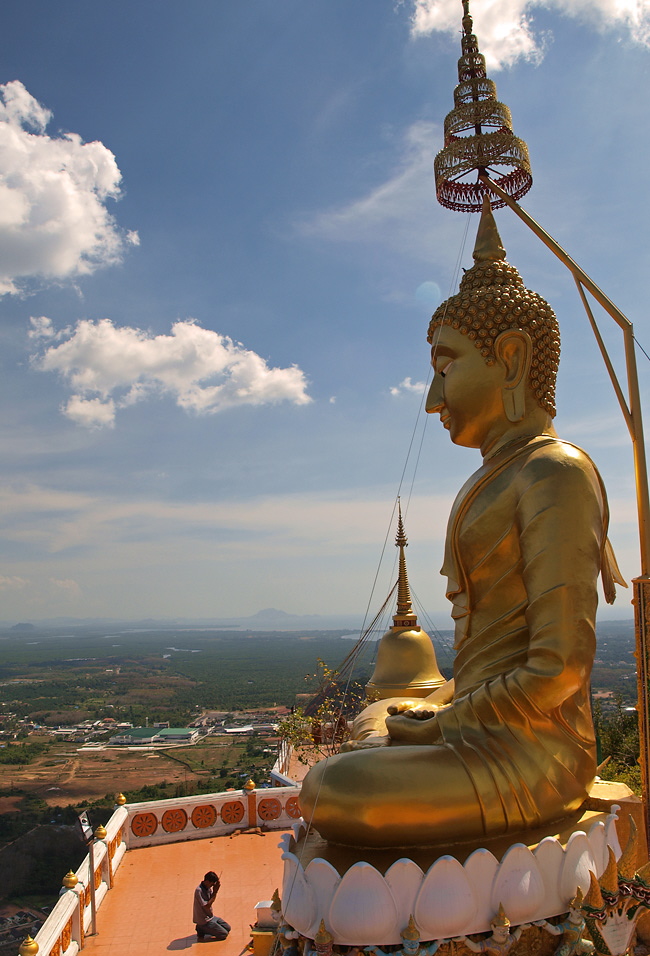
185,942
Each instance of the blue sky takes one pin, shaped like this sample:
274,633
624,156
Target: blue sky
219,251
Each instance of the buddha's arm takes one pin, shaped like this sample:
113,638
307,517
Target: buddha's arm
561,518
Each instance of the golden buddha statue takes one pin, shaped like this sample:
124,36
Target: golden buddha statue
507,745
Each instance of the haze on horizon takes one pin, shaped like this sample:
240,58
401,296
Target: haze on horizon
220,248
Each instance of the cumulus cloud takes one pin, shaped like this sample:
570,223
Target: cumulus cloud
110,367
506,29
409,387
54,223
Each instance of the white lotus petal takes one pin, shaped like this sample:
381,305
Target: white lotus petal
481,869
404,878
324,881
598,840
519,885
550,858
363,908
298,903
446,901
578,861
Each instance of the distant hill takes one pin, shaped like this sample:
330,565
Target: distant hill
267,619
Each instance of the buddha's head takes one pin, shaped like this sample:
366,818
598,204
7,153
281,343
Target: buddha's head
492,317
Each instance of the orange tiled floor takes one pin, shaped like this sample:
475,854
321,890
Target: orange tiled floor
149,910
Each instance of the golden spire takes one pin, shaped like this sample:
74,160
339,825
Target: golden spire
488,246
469,148
406,661
405,616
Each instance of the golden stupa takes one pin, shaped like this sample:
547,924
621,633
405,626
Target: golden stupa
406,661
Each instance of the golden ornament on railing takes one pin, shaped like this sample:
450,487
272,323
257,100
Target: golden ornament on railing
28,947
100,832
478,137
70,880
120,799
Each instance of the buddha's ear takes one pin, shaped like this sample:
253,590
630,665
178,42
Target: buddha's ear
514,352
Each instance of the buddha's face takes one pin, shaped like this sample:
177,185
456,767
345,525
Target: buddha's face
465,391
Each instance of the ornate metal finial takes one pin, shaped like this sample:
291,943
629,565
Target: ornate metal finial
478,137
249,785
405,616
69,880
120,799
488,246
100,832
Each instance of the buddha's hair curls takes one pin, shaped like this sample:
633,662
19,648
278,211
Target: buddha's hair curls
492,299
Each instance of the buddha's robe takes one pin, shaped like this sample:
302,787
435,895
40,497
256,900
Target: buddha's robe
514,748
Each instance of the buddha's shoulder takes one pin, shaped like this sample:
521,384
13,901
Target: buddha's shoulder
554,457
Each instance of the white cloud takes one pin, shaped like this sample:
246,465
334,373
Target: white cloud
41,327
91,412
110,367
408,386
12,583
66,585
505,28
399,213
53,219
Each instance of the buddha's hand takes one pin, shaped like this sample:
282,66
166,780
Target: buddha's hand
402,706
413,727
367,744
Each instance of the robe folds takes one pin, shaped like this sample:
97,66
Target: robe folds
514,748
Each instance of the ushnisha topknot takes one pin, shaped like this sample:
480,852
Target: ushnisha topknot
491,299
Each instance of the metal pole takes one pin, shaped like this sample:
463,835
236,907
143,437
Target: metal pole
634,422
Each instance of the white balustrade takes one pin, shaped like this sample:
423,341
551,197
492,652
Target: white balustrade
150,823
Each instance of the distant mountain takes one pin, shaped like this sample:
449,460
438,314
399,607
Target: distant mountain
267,619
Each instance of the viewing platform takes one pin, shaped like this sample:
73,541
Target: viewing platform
149,859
